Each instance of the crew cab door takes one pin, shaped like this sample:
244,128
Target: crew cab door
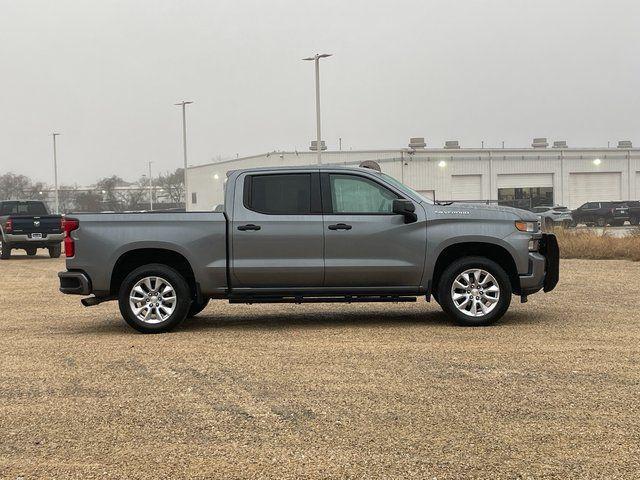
366,244
277,230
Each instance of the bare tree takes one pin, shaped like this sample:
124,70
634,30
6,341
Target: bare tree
13,186
172,184
88,202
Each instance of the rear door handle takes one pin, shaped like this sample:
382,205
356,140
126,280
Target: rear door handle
249,226
340,226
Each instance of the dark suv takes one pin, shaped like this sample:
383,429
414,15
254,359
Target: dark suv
601,214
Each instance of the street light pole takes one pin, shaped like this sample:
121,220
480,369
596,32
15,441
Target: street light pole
316,59
55,172
184,149
150,188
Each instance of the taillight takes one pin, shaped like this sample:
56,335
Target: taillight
8,226
69,225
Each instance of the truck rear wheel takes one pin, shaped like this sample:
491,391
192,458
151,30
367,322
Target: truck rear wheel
5,251
154,298
55,251
474,291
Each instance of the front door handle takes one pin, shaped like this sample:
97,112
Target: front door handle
249,226
340,226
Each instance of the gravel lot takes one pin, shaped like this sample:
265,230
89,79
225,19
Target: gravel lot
317,391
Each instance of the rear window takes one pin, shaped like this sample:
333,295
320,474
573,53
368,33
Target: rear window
23,208
287,194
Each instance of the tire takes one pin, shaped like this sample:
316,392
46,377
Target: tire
496,309
617,223
31,251
601,222
5,251
142,280
196,307
634,220
55,251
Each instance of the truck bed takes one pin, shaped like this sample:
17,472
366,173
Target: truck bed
103,240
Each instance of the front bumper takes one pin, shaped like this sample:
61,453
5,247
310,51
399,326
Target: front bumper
544,267
74,283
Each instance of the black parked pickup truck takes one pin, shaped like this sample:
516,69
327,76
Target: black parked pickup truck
601,214
27,225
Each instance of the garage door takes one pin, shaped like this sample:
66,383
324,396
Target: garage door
524,180
594,187
466,187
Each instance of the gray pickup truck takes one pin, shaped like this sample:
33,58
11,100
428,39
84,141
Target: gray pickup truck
310,234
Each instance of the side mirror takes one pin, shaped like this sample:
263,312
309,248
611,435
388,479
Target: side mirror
406,208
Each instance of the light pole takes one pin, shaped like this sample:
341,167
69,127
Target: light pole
316,58
55,172
150,188
184,104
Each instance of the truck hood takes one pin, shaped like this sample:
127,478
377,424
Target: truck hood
482,210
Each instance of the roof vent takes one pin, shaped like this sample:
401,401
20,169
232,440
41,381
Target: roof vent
540,143
560,144
625,144
417,143
452,144
314,145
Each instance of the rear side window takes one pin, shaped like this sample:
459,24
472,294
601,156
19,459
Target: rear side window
287,194
23,208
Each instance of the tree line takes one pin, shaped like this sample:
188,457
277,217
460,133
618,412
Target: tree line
107,194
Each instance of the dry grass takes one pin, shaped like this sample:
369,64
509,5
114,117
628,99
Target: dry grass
594,245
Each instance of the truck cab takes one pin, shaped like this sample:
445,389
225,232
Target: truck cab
311,234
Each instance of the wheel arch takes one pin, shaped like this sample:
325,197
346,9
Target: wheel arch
132,259
494,252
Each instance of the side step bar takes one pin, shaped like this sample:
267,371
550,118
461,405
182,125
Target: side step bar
346,299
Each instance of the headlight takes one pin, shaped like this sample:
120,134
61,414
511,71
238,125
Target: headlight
531,227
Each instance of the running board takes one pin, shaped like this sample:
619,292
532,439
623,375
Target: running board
346,299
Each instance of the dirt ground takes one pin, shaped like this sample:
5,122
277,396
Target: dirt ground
322,391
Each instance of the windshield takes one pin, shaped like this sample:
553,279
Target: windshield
403,187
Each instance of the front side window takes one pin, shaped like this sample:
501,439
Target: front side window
353,194
287,194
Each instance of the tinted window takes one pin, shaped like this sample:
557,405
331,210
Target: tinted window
590,206
288,194
352,194
24,208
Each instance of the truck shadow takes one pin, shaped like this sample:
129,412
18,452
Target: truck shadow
306,320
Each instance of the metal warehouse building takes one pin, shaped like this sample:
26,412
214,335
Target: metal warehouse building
523,177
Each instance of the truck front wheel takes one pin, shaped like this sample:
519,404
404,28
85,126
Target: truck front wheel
197,307
154,298
474,291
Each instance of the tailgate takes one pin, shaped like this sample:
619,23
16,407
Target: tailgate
549,248
49,224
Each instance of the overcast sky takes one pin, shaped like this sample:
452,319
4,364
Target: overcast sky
106,74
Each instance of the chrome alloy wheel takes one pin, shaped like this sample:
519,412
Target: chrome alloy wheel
152,300
475,292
